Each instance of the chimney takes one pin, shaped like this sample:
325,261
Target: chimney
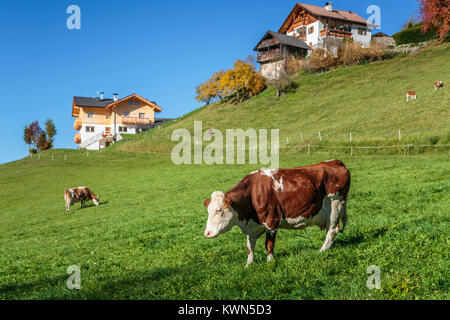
101,96
329,6
116,96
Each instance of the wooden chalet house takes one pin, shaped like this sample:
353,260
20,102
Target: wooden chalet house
101,121
315,27
274,48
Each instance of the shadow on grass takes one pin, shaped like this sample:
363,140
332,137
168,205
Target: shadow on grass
359,237
90,205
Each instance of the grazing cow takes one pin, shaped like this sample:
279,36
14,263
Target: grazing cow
268,200
438,85
411,95
80,194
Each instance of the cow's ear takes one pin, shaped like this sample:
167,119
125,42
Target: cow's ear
226,203
207,202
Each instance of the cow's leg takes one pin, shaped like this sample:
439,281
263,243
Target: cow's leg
67,206
270,243
82,203
251,244
333,225
344,217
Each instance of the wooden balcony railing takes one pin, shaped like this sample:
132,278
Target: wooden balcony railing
335,33
136,120
78,123
269,55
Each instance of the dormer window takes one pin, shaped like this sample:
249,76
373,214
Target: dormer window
136,103
130,103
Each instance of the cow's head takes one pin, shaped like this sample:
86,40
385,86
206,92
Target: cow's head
220,215
96,201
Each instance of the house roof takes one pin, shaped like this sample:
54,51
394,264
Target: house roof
135,96
317,11
109,103
380,35
92,102
286,40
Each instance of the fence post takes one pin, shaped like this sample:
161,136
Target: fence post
309,149
351,151
320,137
65,157
52,157
350,137
301,136
399,135
287,140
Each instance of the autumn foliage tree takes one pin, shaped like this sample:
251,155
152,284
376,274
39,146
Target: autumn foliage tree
50,129
31,134
239,83
435,14
243,81
211,89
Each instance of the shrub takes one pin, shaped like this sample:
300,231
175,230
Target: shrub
283,84
414,35
294,65
321,60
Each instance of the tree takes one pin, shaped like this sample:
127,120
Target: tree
435,14
42,144
28,137
410,22
211,89
31,134
51,132
243,81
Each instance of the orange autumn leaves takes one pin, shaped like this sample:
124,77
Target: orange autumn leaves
237,84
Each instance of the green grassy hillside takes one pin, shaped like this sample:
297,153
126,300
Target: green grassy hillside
367,100
145,240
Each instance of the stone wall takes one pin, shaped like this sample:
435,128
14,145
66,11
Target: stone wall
272,70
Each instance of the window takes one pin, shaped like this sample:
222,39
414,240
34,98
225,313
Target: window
108,116
90,129
311,30
123,129
142,115
126,114
362,31
108,130
90,114
130,103
136,103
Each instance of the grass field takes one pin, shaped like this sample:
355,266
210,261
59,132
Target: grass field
145,240
367,100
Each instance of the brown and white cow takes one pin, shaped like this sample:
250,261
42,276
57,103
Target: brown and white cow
268,200
438,85
411,95
79,194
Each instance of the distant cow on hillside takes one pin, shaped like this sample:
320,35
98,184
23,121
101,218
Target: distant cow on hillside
268,200
80,194
438,85
411,95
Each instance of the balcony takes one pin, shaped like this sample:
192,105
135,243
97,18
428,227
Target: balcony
335,33
136,121
269,55
77,139
78,123
76,112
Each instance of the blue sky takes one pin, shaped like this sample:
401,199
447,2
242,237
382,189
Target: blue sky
159,49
